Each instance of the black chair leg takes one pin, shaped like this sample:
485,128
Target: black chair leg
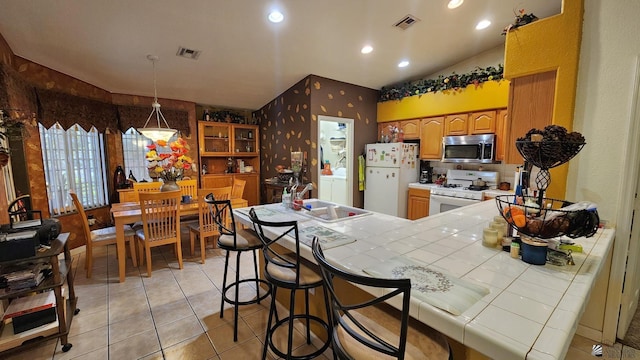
255,270
292,307
224,283
267,335
235,305
306,306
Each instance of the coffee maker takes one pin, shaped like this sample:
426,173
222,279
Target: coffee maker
426,172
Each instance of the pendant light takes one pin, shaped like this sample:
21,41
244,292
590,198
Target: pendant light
156,133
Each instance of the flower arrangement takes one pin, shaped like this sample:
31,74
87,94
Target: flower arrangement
170,166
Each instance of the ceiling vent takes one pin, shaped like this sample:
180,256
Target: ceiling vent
406,21
188,53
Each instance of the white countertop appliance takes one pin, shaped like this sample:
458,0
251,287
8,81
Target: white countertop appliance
390,169
460,189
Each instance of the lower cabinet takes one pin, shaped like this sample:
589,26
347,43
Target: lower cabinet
333,189
418,204
251,188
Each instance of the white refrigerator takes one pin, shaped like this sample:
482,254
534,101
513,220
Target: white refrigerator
389,169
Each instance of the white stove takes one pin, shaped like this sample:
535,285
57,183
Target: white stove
459,190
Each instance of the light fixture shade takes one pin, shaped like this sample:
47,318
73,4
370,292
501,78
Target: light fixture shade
156,133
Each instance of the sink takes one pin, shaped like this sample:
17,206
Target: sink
329,212
340,172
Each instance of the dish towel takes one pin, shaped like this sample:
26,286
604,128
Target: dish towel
361,165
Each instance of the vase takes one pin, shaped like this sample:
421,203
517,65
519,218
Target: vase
169,186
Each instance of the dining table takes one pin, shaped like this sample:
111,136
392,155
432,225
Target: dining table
129,212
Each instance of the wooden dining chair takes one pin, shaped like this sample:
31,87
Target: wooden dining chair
139,187
160,224
100,237
188,187
206,226
238,188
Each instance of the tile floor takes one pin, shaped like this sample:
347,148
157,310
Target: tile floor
175,314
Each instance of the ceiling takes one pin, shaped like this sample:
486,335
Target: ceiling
245,61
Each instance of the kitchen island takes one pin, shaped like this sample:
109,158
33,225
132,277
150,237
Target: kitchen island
512,310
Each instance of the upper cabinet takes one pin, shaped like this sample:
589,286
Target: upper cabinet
410,128
501,134
530,107
456,124
227,139
431,132
214,138
244,139
384,130
483,122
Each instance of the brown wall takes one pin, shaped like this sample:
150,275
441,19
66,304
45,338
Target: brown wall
42,77
289,123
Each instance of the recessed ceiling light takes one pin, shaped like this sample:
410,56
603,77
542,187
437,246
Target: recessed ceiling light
276,16
403,63
483,24
454,4
366,49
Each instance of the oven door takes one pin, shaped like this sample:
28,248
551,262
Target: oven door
439,203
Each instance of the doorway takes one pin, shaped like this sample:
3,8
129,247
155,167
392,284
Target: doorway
335,151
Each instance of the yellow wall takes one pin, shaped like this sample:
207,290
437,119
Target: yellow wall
551,44
488,95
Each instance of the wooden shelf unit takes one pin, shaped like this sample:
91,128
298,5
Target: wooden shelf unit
65,308
217,142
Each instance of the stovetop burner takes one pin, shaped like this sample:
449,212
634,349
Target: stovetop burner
477,188
451,185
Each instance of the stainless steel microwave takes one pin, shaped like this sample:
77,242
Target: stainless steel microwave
469,148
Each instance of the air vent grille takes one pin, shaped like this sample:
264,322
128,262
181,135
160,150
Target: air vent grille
188,53
406,21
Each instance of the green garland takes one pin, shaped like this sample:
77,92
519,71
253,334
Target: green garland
451,82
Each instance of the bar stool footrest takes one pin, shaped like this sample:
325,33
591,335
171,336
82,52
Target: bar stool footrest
303,317
257,300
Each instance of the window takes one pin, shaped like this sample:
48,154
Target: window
73,160
134,148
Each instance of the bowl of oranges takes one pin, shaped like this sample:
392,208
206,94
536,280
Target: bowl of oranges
545,221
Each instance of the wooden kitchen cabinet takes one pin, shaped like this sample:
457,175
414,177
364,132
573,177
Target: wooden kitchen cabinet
483,122
431,132
214,138
411,129
531,100
456,124
222,139
219,142
418,203
501,134
383,129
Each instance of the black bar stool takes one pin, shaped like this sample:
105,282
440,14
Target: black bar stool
288,271
368,329
230,240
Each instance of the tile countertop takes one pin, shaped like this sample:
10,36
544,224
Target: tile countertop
531,311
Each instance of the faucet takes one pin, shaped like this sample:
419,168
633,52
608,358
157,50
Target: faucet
343,158
307,187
